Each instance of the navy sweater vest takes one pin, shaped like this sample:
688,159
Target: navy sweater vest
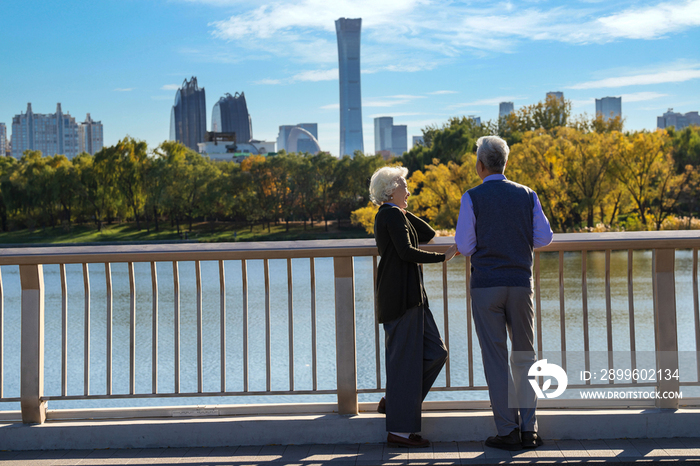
504,244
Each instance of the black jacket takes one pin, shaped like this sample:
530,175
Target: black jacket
399,284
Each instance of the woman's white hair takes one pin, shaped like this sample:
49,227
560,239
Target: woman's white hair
384,182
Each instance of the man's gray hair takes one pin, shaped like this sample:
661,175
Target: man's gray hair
493,153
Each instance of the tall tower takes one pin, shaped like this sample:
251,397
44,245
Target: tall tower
90,134
188,118
348,32
608,107
230,115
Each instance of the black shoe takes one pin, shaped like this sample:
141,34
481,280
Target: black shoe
381,408
413,441
510,442
531,440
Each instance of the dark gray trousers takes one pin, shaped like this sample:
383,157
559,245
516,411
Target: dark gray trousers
498,310
415,355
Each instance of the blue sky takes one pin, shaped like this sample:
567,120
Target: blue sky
423,61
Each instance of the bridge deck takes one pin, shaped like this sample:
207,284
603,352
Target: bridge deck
646,451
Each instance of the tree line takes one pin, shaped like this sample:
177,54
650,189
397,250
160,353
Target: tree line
129,182
588,173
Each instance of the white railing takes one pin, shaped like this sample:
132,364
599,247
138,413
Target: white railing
344,254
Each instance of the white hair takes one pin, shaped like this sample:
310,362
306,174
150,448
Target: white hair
493,153
384,182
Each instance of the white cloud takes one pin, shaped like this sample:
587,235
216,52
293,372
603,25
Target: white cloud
413,35
124,89
316,75
331,107
669,76
641,96
485,102
396,114
383,103
442,92
170,87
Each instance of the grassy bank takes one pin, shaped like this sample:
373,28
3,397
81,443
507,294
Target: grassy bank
203,232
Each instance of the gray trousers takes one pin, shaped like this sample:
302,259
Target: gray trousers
496,311
415,355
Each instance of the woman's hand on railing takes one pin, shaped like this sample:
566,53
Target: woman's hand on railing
451,252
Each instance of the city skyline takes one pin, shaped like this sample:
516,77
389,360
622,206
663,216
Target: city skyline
420,63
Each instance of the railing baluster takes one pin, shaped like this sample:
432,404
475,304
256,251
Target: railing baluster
291,324
345,338
132,330
696,306
378,361
608,313
538,304
222,323
200,356
64,333
244,280
176,325
108,325
32,344
562,310
470,352
447,321
312,274
665,323
86,365
630,303
154,329
268,355
584,304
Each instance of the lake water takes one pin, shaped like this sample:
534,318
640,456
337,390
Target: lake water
325,325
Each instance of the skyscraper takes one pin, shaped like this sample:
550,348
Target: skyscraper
188,118
399,139
505,109
90,136
557,95
348,33
390,137
55,133
608,107
299,138
3,139
418,140
230,115
382,133
677,120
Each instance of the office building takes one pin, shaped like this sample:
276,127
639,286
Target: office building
54,133
224,146
677,120
557,95
608,107
418,141
348,33
475,119
390,137
382,133
399,140
90,136
3,139
301,138
188,118
230,115
505,109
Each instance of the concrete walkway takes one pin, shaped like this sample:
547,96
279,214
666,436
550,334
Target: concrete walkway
638,451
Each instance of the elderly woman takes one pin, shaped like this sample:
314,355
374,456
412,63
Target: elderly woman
415,352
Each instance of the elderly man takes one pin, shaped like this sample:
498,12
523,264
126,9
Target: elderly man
500,223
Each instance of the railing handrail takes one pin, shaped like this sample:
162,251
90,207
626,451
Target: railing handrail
674,239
